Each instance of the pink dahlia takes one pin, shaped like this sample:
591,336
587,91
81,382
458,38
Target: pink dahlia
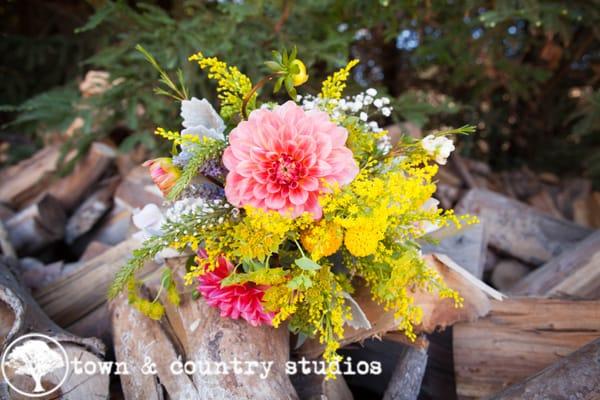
234,301
282,159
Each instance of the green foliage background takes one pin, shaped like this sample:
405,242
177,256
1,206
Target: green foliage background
526,72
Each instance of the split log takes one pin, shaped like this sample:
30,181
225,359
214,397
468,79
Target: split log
197,333
407,377
91,210
24,181
82,291
575,272
520,230
315,387
467,246
437,313
70,190
20,315
206,336
37,226
138,339
518,338
576,376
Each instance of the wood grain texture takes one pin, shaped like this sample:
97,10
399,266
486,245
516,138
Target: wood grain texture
518,338
520,230
576,376
575,272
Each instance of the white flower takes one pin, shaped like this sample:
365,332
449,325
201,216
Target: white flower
386,111
148,220
363,116
201,119
438,146
372,92
368,100
429,206
378,103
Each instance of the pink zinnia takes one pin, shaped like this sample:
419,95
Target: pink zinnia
282,159
234,301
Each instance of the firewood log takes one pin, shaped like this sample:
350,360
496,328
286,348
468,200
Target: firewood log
20,314
196,332
26,180
576,376
70,190
467,246
91,210
37,226
437,313
405,383
518,338
314,386
575,272
83,290
520,230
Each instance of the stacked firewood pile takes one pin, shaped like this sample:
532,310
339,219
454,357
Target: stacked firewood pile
64,237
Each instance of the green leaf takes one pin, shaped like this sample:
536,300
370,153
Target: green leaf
300,282
307,264
278,84
273,66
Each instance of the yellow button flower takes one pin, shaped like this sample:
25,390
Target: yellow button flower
300,77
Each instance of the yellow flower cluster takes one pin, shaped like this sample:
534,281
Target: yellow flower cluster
260,233
232,85
322,239
334,85
178,138
282,300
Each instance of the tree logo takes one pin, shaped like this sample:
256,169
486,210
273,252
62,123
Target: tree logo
34,355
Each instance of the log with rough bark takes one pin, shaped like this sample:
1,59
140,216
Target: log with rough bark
576,376
518,338
196,332
19,315
407,377
70,190
37,226
575,272
24,181
437,313
520,230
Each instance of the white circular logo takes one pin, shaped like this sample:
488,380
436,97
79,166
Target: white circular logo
34,355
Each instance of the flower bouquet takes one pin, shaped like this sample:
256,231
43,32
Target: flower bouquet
285,208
